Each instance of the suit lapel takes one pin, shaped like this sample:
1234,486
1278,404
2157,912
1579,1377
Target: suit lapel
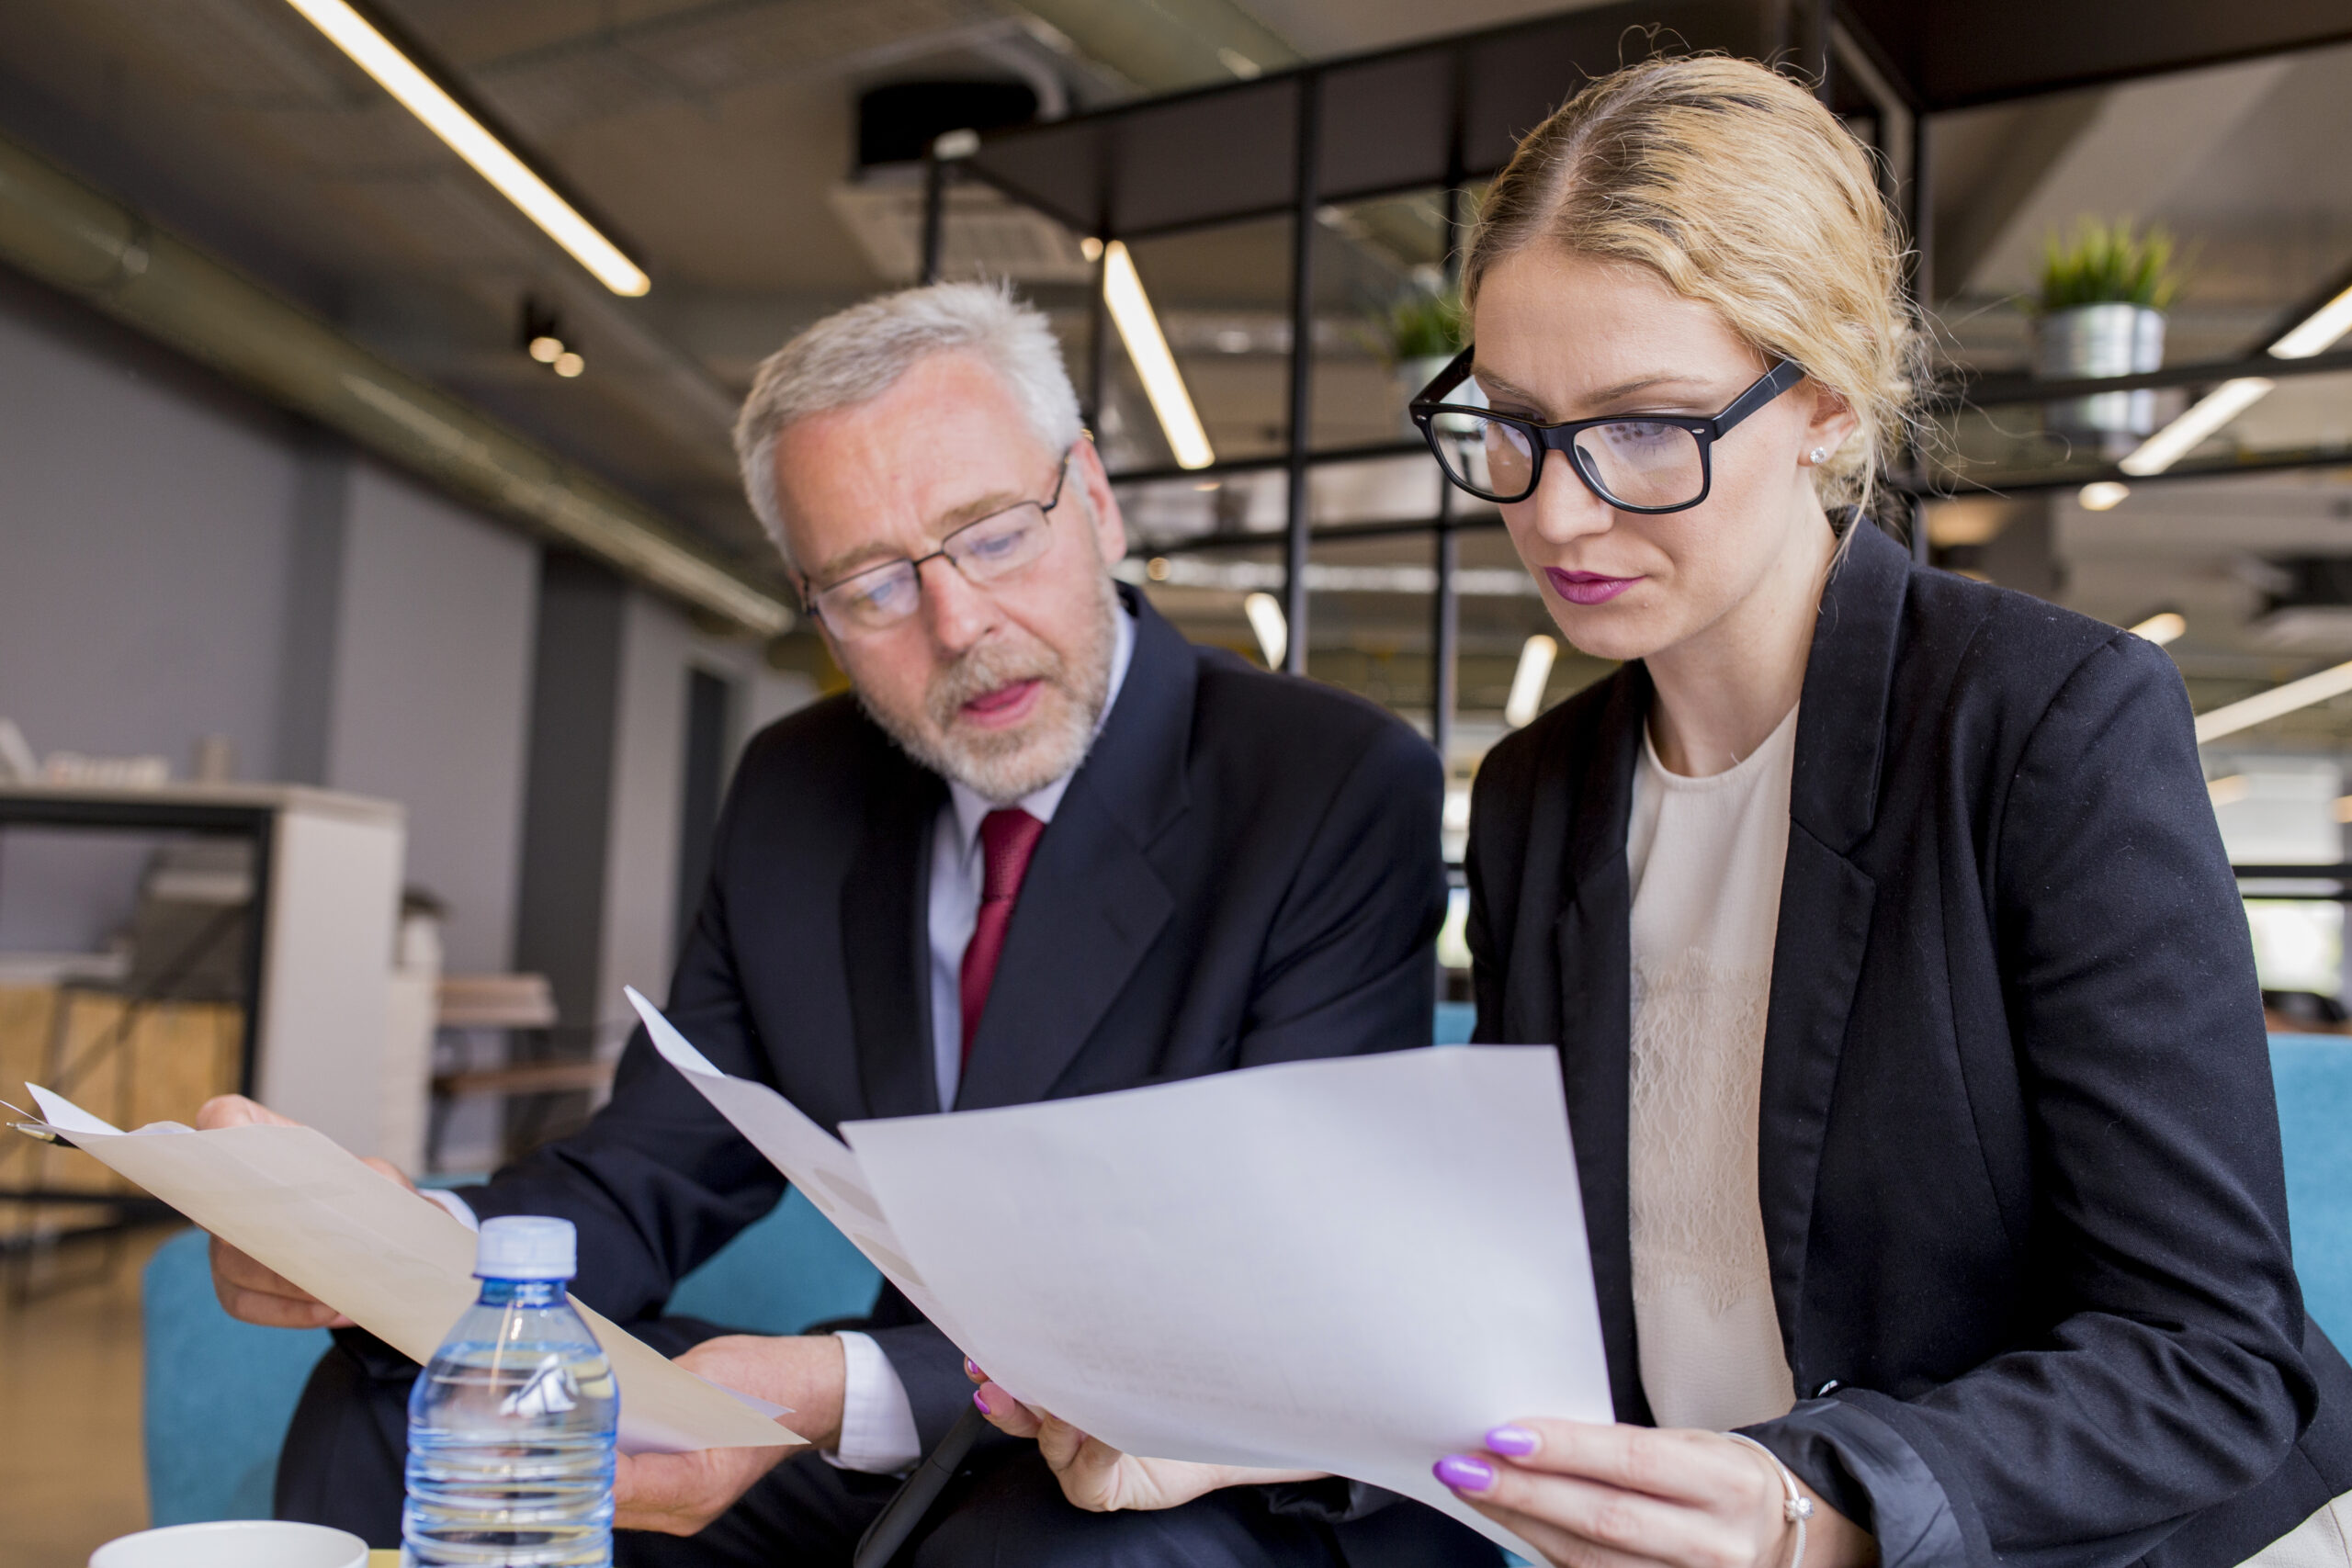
1092,904
1592,942
1825,898
886,944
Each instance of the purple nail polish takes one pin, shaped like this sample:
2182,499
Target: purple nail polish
1464,1473
970,1370
980,1398
1516,1441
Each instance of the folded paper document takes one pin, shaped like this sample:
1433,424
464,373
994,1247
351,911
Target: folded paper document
1356,1265
398,1266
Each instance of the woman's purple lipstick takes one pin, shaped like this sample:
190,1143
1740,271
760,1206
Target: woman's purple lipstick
1587,587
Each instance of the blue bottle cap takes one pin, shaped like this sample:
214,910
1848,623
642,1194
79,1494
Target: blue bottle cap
527,1247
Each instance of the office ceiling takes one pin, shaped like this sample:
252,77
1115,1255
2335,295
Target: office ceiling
719,137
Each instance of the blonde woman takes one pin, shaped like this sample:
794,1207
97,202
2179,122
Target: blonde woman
1906,1013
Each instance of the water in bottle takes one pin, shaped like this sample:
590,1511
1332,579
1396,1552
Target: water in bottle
511,1429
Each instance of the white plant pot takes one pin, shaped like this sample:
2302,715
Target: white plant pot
2101,339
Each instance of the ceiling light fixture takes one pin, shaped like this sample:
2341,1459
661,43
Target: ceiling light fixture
2264,706
1266,619
2102,495
2162,628
2316,333
2319,331
1527,683
568,365
546,348
2200,420
1131,312
491,158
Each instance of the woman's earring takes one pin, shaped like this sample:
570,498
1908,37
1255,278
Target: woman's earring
1817,456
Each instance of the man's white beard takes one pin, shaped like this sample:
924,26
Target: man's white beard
1002,766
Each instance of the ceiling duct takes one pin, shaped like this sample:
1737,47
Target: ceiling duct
84,243
984,233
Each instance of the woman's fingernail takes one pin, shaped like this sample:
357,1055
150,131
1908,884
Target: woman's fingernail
1464,1473
1516,1441
972,1371
980,1398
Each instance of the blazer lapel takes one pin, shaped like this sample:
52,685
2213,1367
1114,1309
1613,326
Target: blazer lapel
1825,898
1592,942
1092,904
886,943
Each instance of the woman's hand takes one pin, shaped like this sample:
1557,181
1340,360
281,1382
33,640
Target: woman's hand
1099,1478
1609,1496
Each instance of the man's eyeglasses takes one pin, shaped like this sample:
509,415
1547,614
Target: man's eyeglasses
1652,462
986,550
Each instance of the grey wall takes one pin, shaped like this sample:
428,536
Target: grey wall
145,519
178,560
432,694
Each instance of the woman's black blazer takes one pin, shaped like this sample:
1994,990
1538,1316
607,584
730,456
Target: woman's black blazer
2018,1152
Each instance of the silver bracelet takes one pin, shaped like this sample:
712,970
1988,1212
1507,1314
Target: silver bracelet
1795,1507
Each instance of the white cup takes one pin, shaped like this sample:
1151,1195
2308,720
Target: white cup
235,1543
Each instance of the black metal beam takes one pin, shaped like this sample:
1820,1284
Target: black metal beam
2010,388
1308,149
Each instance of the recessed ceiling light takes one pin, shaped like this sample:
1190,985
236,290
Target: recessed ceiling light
466,137
2102,495
1527,682
568,365
2264,706
546,349
1163,383
2162,628
1266,619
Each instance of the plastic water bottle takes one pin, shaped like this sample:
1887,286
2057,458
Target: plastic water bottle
511,1429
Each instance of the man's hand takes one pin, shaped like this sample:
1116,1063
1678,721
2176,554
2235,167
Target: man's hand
248,1292
1099,1478
679,1493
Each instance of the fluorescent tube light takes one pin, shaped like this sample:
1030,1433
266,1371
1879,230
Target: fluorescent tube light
2102,495
2264,706
2319,331
2201,418
442,115
2161,627
1139,330
1526,699
1273,630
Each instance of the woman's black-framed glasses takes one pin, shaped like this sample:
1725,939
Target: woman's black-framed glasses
985,550
1649,462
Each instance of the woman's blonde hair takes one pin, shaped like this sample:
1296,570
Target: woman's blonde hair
1734,186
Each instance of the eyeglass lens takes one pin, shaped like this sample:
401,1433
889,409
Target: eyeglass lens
985,551
1634,462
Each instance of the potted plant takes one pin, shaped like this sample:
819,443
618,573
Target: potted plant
2101,313
1420,332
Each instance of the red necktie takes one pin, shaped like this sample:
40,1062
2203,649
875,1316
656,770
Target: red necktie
1008,839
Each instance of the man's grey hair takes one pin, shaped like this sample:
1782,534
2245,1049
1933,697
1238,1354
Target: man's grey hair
854,356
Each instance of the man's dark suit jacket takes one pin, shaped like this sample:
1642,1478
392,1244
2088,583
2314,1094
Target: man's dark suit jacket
2018,1154
1244,870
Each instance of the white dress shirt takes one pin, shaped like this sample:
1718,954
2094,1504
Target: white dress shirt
877,1421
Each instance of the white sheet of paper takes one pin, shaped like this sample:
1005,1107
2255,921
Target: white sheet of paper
811,1158
396,1265
1356,1265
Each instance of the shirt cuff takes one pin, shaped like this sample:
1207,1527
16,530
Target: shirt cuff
877,1420
459,1210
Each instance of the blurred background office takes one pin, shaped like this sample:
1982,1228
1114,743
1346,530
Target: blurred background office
380,613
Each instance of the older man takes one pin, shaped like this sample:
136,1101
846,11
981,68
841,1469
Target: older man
1047,849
